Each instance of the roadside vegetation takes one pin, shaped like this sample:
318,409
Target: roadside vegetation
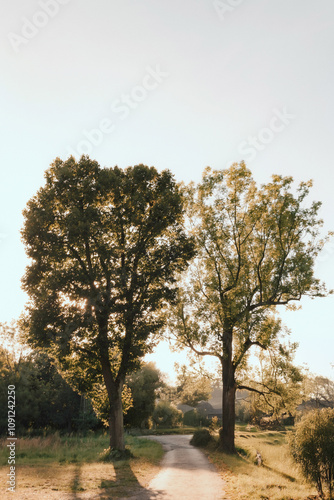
278,478
312,446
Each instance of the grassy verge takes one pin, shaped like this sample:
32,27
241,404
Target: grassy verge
277,479
62,467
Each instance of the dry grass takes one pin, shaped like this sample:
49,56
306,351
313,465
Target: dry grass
71,469
277,479
86,481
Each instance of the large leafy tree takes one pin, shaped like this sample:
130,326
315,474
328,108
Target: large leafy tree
105,245
256,251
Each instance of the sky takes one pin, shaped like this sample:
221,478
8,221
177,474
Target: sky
177,84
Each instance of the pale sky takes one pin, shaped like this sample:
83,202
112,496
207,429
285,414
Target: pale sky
178,84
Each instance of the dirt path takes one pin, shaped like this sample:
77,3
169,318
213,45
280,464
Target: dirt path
186,474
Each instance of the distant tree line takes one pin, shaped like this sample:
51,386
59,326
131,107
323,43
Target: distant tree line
44,400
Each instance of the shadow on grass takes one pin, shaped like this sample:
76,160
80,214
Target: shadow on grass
244,459
76,482
286,476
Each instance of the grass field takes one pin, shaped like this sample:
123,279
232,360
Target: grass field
72,467
56,467
277,479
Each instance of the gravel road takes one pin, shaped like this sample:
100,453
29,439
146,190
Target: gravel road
186,474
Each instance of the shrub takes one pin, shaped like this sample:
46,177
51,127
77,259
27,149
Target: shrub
215,424
312,446
201,438
166,415
194,419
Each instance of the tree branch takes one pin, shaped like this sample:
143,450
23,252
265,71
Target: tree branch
261,393
246,346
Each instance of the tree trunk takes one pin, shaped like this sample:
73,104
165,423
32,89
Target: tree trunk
116,419
114,390
229,391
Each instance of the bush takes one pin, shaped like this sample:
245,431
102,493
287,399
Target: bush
201,438
215,424
312,446
194,419
166,415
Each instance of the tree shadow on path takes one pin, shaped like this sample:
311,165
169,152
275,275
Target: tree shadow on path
127,485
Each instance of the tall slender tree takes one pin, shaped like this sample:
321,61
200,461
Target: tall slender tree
256,250
105,245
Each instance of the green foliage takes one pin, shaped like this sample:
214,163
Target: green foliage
214,424
201,438
44,399
278,384
105,246
321,391
145,448
312,446
92,447
6,378
256,251
100,402
104,243
243,411
112,455
144,385
166,415
191,387
194,419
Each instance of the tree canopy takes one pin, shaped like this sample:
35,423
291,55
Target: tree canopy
191,386
276,384
320,390
105,246
256,249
